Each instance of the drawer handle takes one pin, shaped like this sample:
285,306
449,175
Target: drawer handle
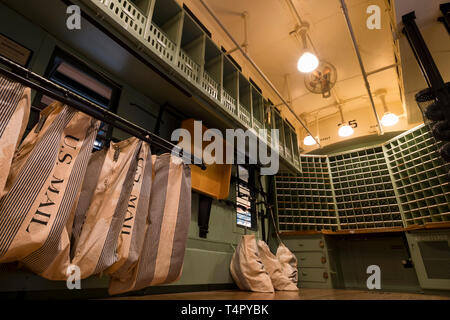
302,258
304,274
321,244
325,275
300,244
323,260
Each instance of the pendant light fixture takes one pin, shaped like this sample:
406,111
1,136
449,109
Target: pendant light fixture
389,119
344,130
309,140
308,61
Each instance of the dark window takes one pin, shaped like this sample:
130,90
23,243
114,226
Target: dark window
72,74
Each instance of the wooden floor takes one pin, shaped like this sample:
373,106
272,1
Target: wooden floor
303,294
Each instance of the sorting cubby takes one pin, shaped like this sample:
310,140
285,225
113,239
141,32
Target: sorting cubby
131,15
192,51
163,29
212,73
257,110
245,113
402,183
268,121
230,86
279,125
305,202
287,140
420,176
365,196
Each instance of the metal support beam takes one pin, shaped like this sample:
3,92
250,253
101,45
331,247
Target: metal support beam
361,64
246,56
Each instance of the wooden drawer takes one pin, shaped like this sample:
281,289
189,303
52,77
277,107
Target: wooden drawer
308,244
313,275
311,259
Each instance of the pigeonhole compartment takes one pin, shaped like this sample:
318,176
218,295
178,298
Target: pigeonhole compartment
278,122
245,114
163,30
131,15
230,86
257,110
212,72
192,52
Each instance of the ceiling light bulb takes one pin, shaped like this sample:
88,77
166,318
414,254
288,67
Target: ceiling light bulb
345,131
307,63
309,141
389,119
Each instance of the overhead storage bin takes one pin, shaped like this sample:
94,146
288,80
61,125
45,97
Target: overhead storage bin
163,30
130,15
278,123
192,52
212,73
257,110
245,113
287,140
230,86
268,120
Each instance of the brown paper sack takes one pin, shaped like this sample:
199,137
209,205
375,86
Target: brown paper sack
14,114
42,189
247,268
280,281
132,234
104,218
162,256
288,263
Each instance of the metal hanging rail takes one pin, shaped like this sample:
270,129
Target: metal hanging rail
55,91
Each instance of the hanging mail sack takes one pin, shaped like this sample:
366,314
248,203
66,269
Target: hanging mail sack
279,280
247,268
41,192
132,234
288,263
161,259
104,218
14,113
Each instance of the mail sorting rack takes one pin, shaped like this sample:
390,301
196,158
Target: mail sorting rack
230,86
212,74
163,29
191,54
245,100
364,192
420,176
305,202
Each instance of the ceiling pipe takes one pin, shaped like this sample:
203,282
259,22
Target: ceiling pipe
361,64
256,68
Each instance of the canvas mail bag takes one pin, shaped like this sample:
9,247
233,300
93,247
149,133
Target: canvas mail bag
105,215
288,263
43,188
132,234
280,281
162,255
247,269
14,113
